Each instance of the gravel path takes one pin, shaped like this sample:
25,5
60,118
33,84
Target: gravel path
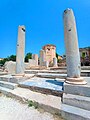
11,109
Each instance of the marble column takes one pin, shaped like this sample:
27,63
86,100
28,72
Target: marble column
35,57
20,50
42,57
72,49
54,62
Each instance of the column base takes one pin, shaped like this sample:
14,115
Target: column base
76,81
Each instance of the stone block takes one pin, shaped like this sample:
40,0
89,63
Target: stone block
10,67
32,62
8,85
82,90
73,113
77,101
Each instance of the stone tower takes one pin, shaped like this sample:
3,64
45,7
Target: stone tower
50,52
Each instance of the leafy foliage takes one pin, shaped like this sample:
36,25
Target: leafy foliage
32,104
28,56
57,55
83,55
9,58
13,58
3,61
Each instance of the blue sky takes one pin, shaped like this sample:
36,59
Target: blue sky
44,24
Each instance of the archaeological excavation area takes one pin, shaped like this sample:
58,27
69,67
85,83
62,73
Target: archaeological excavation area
59,90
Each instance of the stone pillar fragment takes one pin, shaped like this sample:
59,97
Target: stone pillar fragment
42,57
20,50
35,57
46,63
54,62
72,49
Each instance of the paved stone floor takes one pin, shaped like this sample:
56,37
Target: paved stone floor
53,84
11,109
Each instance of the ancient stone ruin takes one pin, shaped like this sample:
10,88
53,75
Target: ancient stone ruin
63,90
72,49
20,50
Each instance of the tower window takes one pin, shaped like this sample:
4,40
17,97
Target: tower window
48,49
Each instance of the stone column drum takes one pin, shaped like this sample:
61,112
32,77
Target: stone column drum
35,57
20,50
72,49
42,57
54,62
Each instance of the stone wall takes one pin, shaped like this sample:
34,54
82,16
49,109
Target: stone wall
10,66
32,62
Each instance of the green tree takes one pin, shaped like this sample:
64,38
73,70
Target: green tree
9,58
28,56
57,55
2,62
83,55
12,58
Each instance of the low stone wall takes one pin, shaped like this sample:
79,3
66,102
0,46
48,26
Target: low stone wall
32,62
10,66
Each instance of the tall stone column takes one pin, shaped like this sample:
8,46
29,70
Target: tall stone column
20,50
54,62
42,57
72,49
35,57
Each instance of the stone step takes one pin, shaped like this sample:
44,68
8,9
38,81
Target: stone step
82,90
49,87
3,73
85,68
51,75
77,101
49,103
8,85
15,78
85,73
73,113
45,71
4,90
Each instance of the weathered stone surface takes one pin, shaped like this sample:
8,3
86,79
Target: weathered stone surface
49,103
71,43
50,52
52,87
32,62
82,90
35,57
54,62
42,57
8,85
20,50
77,101
49,75
46,64
72,49
73,113
10,67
